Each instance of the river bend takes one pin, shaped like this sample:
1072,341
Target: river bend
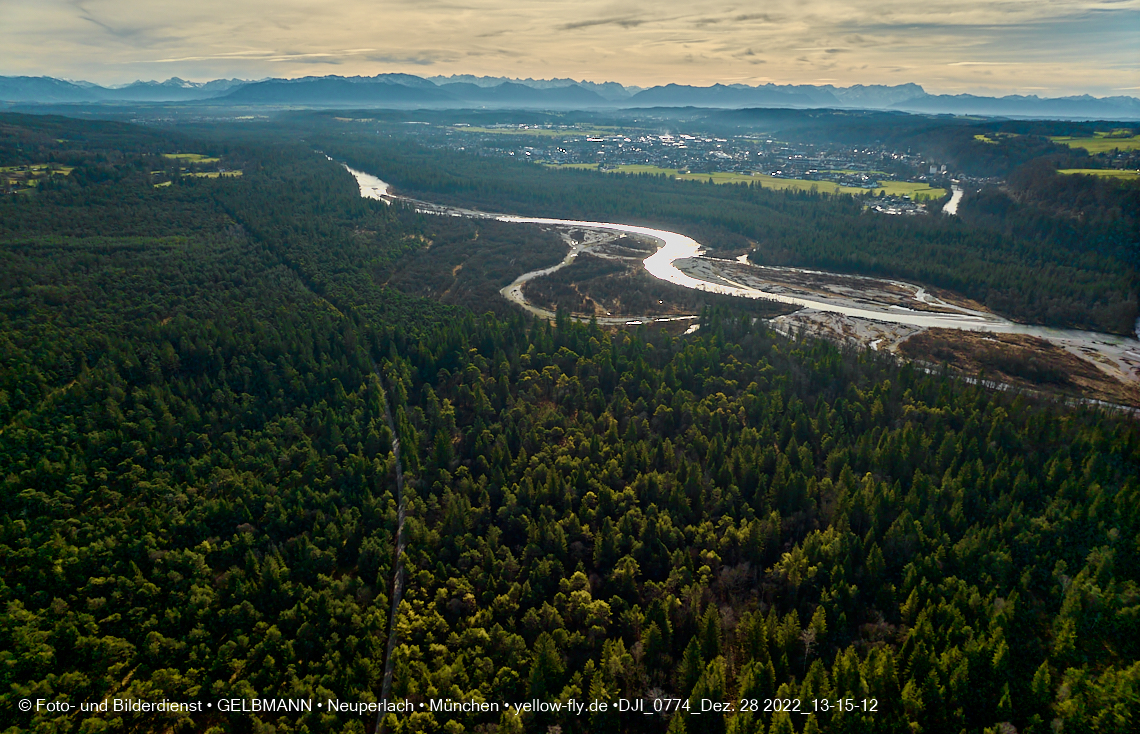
1117,355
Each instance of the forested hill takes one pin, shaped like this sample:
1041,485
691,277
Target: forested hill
198,493
1033,268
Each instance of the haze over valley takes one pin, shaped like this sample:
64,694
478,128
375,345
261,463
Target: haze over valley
411,92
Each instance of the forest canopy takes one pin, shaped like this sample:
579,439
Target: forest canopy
201,390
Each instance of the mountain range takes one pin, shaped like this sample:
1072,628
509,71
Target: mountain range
410,91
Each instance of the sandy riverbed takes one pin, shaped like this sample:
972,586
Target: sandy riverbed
878,312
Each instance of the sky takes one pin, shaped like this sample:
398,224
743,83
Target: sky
1043,47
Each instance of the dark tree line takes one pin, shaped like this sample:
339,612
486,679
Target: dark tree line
198,494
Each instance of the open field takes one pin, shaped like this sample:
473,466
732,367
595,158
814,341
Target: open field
21,178
916,191
723,177
994,138
1101,143
644,168
1103,172
534,132
191,157
771,182
38,168
853,172
578,166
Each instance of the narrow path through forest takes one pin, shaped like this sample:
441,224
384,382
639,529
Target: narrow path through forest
397,561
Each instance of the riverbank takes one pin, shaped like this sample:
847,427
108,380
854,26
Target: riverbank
876,312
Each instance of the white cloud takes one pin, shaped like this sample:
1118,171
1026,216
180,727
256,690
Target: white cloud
1061,46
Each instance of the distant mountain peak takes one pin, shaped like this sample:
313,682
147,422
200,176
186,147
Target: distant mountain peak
397,89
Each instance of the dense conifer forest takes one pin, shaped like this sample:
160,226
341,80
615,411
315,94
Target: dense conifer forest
199,496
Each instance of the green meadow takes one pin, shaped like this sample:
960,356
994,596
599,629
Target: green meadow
1103,172
29,176
191,157
994,138
38,170
853,172
916,191
539,132
1101,142
573,166
634,168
